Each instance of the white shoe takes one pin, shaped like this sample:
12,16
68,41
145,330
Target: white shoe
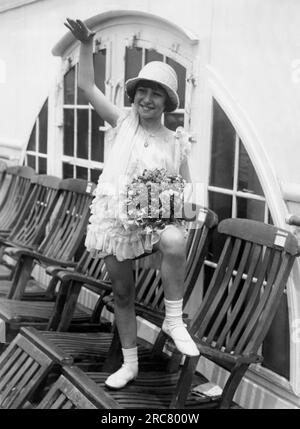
182,339
122,377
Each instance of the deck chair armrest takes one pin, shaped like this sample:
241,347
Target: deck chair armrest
95,288
227,358
18,252
90,389
53,269
4,241
51,261
42,258
65,276
13,252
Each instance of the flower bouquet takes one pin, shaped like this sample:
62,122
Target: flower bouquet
155,199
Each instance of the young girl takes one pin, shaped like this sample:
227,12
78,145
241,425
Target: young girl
138,141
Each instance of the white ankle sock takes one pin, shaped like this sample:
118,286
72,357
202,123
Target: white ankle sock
127,372
130,357
173,311
174,326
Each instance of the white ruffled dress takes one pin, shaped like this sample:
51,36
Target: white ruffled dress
107,232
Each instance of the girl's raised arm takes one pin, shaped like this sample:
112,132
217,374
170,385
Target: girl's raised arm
86,80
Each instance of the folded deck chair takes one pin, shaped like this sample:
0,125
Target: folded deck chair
22,370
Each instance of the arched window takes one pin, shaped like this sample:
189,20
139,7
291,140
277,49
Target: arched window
121,47
37,148
235,191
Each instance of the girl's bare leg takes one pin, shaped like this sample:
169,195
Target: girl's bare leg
172,245
121,275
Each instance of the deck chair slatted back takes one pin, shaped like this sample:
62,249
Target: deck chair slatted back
30,229
70,220
92,265
64,235
15,194
21,367
63,214
244,292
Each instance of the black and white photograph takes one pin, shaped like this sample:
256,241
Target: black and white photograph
149,207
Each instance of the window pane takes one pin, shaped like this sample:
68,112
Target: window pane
31,161
32,139
99,66
82,133
81,98
251,209
270,219
82,173
68,172
133,64
174,120
95,175
248,180
69,132
153,56
42,165
43,127
222,151
221,204
69,86
97,152
181,74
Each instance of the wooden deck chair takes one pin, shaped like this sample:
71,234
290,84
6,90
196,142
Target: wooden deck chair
90,348
14,194
233,318
20,374
59,247
29,229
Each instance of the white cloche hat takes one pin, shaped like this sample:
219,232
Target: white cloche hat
161,73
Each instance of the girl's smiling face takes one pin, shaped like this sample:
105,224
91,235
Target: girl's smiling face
150,100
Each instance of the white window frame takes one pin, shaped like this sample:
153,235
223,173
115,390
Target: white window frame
234,192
